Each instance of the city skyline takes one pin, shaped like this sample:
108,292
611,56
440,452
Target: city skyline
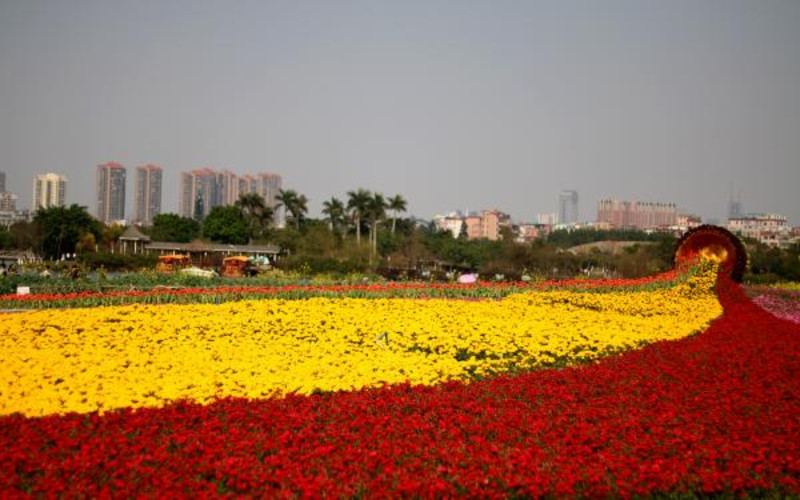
225,186
452,104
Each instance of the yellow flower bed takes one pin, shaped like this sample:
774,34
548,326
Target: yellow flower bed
85,360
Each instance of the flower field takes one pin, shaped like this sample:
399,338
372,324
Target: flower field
218,294
687,388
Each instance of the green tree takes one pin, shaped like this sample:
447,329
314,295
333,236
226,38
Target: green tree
396,204
226,224
110,235
256,212
295,204
62,228
463,233
357,204
174,228
335,211
86,244
25,235
376,211
6,241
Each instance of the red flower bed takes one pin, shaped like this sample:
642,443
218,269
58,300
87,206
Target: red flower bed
718,412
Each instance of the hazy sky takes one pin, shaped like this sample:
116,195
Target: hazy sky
454,104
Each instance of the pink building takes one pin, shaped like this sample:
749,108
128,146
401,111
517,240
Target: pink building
637,214
484,225
491,223
688,221
529,232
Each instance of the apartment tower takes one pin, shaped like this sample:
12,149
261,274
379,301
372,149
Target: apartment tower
110,192
147,196
49,190
568,207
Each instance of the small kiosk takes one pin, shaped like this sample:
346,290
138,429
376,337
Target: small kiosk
169,264
237,266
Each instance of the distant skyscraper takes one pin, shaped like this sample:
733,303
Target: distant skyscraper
8,202
147,196
49,190
568,207
549,219
2,182
199,193
735,208
202,190
268,186
110,192
227,188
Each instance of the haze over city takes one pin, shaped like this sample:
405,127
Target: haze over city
455,105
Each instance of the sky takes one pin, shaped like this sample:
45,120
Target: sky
453,104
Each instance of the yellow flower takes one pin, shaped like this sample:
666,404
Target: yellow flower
103,358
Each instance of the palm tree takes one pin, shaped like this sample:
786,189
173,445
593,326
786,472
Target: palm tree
396,204
335,210
256,212
295,204
357,205
376,210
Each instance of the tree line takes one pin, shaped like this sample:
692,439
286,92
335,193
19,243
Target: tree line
364,231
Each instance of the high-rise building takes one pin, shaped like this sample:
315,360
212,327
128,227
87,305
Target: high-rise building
735,207
2,182
8,202
202,190
568,207
227,188
49,190
147,196
199,193
111,192
268,186
637,214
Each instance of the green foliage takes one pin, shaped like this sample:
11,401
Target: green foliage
296,205
174,228
318,264
6,241
564,238
357,205
25,235
226,224
257,214
335,212
117,261
61,229
769,264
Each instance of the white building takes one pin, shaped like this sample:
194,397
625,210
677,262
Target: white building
8,202
770,229
49,190
451,222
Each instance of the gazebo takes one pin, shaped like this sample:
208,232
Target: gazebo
134,240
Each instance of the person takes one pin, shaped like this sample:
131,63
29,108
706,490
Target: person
3,270
46,273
